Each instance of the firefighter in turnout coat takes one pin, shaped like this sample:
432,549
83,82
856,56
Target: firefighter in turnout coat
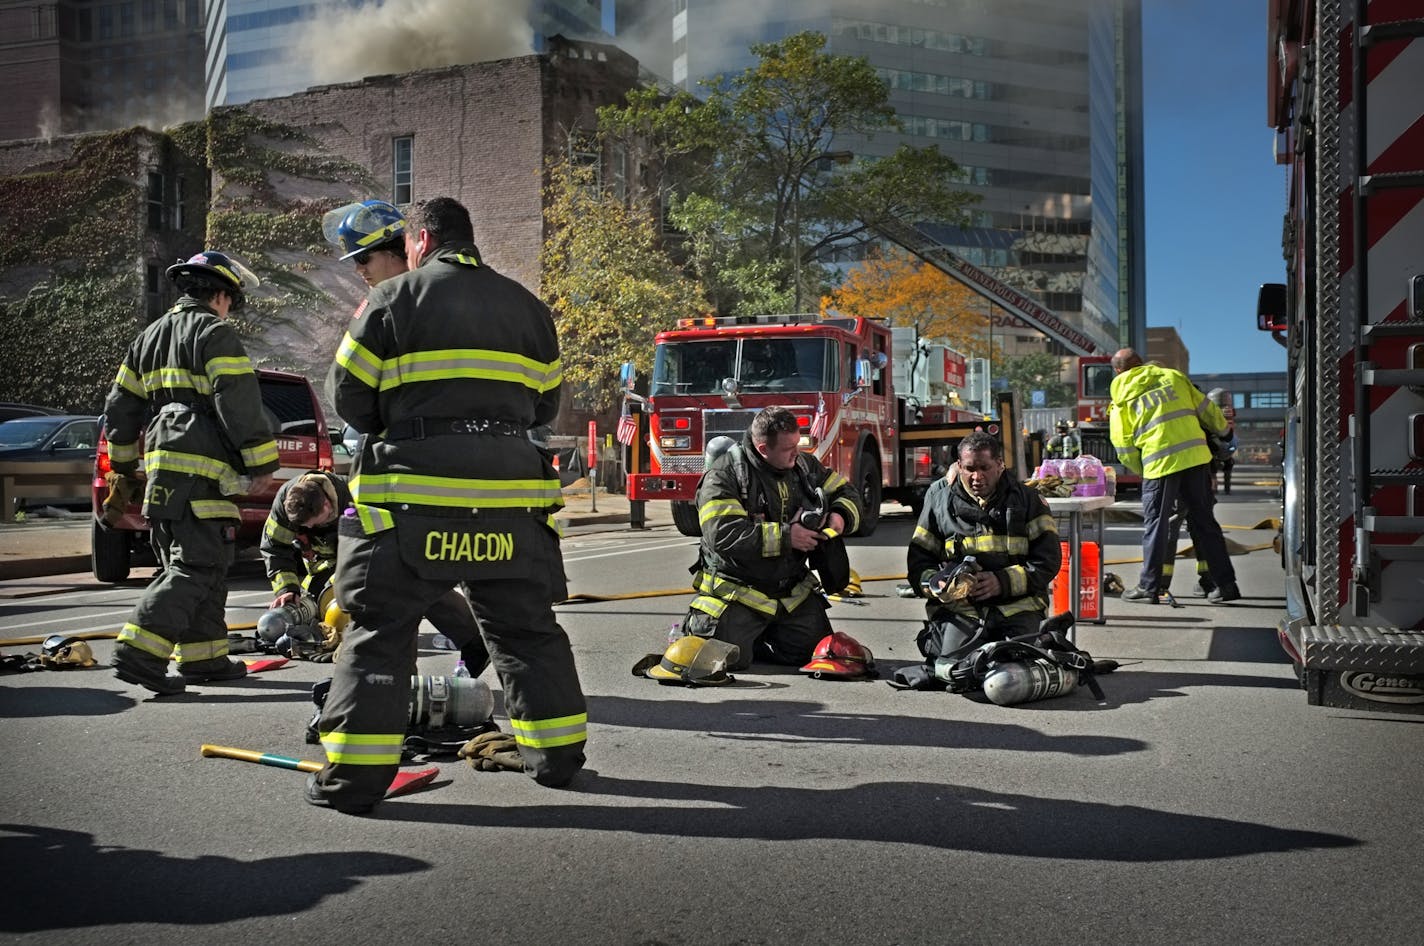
755,588
982,512
300,536
189,380
444,371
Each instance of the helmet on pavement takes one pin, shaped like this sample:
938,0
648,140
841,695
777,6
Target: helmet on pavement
697,661
337,619
365,226
213,270
840,655
61,652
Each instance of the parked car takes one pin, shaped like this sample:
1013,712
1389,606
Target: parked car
10,410
299,425
46,458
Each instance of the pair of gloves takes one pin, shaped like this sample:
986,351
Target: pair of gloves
492,752
125,489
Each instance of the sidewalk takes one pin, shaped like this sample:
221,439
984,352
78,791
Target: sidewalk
60,544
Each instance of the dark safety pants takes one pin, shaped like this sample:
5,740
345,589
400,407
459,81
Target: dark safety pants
452,616
1174,535
364,721
183,612
789,638
952,634
1192,489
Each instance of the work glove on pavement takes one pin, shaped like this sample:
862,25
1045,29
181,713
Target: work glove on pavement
492,752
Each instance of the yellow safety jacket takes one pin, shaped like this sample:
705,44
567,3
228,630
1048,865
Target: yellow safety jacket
1159,421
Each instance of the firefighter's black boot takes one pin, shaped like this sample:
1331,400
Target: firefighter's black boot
213,671
132,665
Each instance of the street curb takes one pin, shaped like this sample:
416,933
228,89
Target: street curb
42,567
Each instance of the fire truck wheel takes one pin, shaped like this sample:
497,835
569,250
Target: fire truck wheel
684,516
867,480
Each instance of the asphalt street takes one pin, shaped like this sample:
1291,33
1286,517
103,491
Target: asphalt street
1204,802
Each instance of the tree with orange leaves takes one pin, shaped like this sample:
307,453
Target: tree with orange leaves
905,290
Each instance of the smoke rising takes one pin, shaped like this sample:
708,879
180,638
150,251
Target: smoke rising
345,44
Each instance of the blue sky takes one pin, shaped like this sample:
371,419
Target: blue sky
1214,195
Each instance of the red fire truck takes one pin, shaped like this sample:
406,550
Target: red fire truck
841,377
1344,98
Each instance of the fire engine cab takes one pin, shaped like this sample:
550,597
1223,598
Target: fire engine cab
858,410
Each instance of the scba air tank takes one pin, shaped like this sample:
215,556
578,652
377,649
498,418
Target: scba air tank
437,702
1024,681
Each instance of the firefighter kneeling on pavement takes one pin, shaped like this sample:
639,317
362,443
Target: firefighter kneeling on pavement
445,370
754,585
984,552
300,535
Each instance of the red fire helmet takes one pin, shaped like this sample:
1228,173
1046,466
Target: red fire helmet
840,655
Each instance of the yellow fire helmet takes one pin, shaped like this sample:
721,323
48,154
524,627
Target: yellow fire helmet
695,661
64,653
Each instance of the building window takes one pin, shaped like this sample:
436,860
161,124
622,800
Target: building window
106,22
179,201
584,153
152,290
1276,399
155,200
403,169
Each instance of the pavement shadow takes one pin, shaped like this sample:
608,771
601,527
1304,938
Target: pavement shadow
56,879
33,702
937,815
791,721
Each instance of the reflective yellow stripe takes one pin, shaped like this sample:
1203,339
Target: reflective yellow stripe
834,481
228,365
123,452
717,508
547,733
278,533
344,748
358,361
1041,525
732,591
171,377
1018,580
284,580
455,492
709,605
376,236
374,519
925,540
1009,544
466,259
200,650
479,364
129,380
146,641
193,464
263,454
214,509
849,513
771,538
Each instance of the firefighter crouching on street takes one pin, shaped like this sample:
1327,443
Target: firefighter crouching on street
300,534
984,552
1159,425
444,371
189,373
755,588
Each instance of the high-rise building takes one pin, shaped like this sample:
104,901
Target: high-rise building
74,65
1039,101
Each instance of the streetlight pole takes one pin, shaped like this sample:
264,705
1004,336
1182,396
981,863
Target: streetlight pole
796,245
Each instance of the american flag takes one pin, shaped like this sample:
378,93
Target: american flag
627,427
821,425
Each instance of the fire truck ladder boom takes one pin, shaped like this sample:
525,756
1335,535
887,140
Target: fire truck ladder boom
939,256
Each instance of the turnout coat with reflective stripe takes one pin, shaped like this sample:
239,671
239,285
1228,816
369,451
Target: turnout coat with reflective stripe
189,357
1159,421
1013,535
483,347
285,544
747,555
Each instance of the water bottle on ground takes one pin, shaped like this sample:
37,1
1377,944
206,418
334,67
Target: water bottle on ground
675,632
461,670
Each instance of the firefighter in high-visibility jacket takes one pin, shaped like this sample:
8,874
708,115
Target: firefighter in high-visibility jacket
1159,424
444,371
188,372
300,537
